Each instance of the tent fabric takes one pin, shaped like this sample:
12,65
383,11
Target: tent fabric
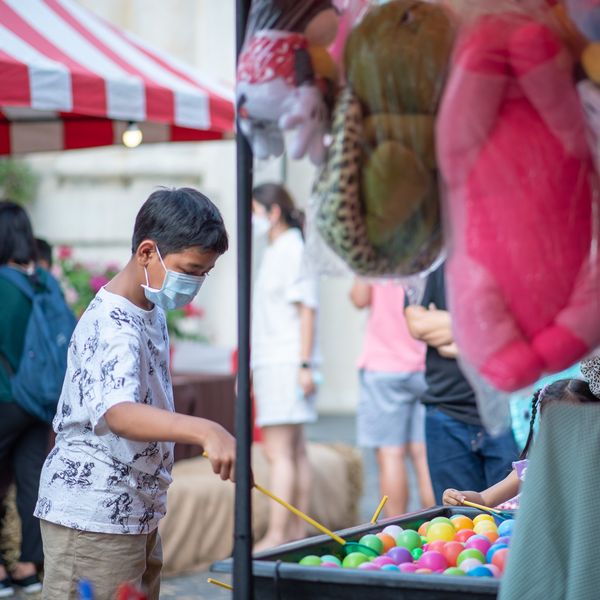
69,79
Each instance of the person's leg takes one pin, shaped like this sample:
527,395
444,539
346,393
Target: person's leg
393,480
499,453
29,455
303,483
279,447
451,454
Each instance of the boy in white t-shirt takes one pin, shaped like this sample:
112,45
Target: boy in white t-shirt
103,486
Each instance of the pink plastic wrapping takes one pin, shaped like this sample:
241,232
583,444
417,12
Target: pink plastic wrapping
521,201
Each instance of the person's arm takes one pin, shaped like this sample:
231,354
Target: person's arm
307,340
430,325
497,494
143,423
360,294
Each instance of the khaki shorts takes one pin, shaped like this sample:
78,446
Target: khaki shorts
104,559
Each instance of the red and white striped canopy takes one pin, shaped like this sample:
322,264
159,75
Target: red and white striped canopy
69,79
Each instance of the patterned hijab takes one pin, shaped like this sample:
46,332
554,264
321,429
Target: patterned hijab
590,367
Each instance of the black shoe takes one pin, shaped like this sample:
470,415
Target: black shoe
29,585
6,589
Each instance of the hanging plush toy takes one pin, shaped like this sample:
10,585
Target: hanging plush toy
523,276
380,206
286,77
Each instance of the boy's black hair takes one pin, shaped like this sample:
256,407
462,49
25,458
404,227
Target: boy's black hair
43,251
180,218
17,243
563,390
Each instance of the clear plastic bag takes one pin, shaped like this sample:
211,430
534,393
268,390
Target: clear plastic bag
378,193
521,203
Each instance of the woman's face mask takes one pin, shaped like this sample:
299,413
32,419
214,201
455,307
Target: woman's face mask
177,290
260,225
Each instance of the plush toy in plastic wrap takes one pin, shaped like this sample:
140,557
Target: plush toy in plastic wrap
379,206
286,77
521,198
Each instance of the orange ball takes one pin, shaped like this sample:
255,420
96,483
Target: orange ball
463,535
499,558
423,529
388,541
451,551
461,522
423,571
490,535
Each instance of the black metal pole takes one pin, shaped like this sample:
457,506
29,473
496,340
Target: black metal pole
243,586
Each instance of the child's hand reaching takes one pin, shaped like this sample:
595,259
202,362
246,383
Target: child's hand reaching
219,445
454,497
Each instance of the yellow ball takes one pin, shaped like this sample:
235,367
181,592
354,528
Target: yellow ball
484,526
484,517
440,531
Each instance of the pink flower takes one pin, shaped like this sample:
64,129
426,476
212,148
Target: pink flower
193,311
97,282
71,296
65,252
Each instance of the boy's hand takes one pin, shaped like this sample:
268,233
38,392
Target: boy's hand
453,497
219,445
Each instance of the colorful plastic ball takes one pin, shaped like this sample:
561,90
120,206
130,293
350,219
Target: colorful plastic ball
483,517
493,549
416,553
491,535
390,568
504,539
441,520
409,539
373,542
423,571
451,551
408,567
463,535
436,546
461,522
393,530
440,531
470,553
380,561
454,571
433,560
331,565
470,563
399,555
480,571
330,558
354,559
311,561
506,527
387,540
479,542
499,558
485,526
422,531
494,569
368,566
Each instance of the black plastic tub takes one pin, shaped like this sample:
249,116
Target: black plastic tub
277,575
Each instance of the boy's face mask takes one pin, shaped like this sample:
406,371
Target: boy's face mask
177,290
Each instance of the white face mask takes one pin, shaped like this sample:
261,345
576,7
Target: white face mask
177,290
260,225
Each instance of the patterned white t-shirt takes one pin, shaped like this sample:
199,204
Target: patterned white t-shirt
94,480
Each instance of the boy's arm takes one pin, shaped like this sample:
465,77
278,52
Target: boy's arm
432,326
360,294
497,494
143,423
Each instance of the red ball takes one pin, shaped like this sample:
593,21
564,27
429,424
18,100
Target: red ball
463,535
451,551
499,558
437,546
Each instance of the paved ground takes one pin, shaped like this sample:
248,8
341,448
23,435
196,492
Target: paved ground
328,429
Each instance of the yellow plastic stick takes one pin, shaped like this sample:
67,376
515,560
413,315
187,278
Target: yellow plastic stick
480,507
220,583
297,512
379,509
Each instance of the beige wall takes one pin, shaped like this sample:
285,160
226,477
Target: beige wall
90,198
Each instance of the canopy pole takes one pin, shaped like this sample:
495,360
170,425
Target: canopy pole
243,584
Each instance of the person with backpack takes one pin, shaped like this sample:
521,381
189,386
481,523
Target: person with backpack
35,328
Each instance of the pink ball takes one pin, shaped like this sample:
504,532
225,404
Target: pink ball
368,566
479,542
469,563
383,560
433,560
494,569
332,565
408,567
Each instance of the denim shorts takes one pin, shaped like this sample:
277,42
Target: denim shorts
389,412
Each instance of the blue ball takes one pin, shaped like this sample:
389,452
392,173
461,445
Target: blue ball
480,572
492,550
389,568
506,528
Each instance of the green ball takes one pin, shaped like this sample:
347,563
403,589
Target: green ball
354,560
454,571
372,541
330,558
409,539
442,520
416,553
470,553
311,561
